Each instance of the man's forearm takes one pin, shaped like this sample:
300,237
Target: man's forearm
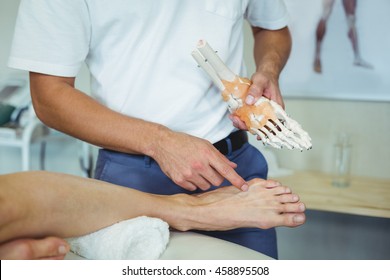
271,50
189,161
59,105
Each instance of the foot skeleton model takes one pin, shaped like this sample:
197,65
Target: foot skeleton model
265,118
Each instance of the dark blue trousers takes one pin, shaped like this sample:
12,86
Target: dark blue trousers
144,174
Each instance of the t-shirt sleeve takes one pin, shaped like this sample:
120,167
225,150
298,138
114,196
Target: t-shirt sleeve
51,37
268,14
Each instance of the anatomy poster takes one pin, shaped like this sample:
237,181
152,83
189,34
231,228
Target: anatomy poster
341,50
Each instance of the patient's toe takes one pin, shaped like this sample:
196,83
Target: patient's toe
294,207
293,220
288,198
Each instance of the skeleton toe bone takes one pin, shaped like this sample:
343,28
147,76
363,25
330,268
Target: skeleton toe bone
265,118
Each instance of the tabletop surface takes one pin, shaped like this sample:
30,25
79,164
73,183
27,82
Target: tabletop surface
364,196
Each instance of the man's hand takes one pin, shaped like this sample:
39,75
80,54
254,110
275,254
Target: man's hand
271,51
194,163
49,248
263,84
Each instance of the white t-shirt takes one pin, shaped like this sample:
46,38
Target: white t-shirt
139,52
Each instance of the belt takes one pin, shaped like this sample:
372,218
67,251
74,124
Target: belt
236,139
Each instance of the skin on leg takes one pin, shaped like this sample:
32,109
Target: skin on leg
320,33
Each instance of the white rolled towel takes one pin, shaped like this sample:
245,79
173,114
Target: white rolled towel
141,238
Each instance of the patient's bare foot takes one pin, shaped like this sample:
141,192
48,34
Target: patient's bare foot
49,248
265,205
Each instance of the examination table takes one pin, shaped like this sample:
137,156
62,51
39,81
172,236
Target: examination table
194,246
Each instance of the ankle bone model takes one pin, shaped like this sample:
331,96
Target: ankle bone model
265,118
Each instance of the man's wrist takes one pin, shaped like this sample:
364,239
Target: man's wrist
269,70
157,132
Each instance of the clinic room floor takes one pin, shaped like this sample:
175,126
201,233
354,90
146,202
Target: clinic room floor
324,236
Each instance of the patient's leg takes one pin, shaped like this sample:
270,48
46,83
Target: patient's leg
40,204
